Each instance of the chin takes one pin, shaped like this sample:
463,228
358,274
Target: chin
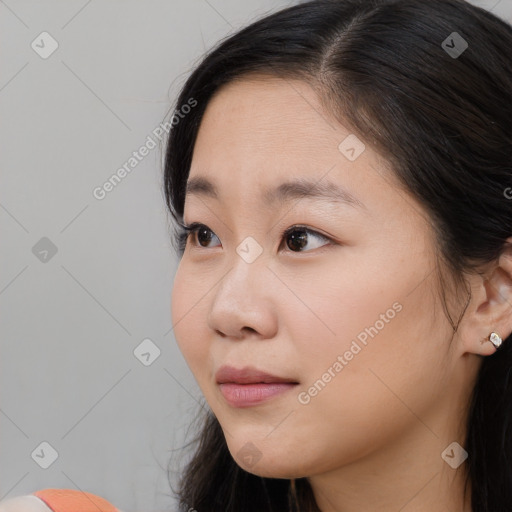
270,471
269,462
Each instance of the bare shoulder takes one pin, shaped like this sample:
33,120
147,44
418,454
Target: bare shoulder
24,504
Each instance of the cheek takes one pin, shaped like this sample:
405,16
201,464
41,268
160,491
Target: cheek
383,324
333,306
188,314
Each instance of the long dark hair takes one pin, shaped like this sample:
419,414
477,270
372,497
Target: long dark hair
444,122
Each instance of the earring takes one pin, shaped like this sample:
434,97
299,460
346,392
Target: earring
495,339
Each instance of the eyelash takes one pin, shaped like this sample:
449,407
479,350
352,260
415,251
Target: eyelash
186,231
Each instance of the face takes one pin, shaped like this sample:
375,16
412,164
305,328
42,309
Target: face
333,298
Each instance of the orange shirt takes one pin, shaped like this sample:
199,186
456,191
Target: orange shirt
70,500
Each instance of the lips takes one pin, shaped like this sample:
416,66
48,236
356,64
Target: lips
248,375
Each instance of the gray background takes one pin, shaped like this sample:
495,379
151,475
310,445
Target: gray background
72,320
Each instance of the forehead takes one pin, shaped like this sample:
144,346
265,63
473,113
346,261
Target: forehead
265,131
270,113
260,134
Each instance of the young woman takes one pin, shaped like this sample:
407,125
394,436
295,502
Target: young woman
344,292
341,175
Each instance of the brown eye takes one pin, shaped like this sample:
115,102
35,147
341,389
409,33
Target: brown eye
298,237
196,231
204,235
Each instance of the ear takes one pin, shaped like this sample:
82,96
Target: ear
490,309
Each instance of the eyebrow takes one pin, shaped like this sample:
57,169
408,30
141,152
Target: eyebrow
297,188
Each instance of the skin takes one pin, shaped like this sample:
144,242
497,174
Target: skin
372,438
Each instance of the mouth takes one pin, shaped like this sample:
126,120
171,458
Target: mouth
249,386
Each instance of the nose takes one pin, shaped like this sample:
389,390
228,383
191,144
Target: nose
244,302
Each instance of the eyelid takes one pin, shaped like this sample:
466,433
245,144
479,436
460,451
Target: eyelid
305,228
